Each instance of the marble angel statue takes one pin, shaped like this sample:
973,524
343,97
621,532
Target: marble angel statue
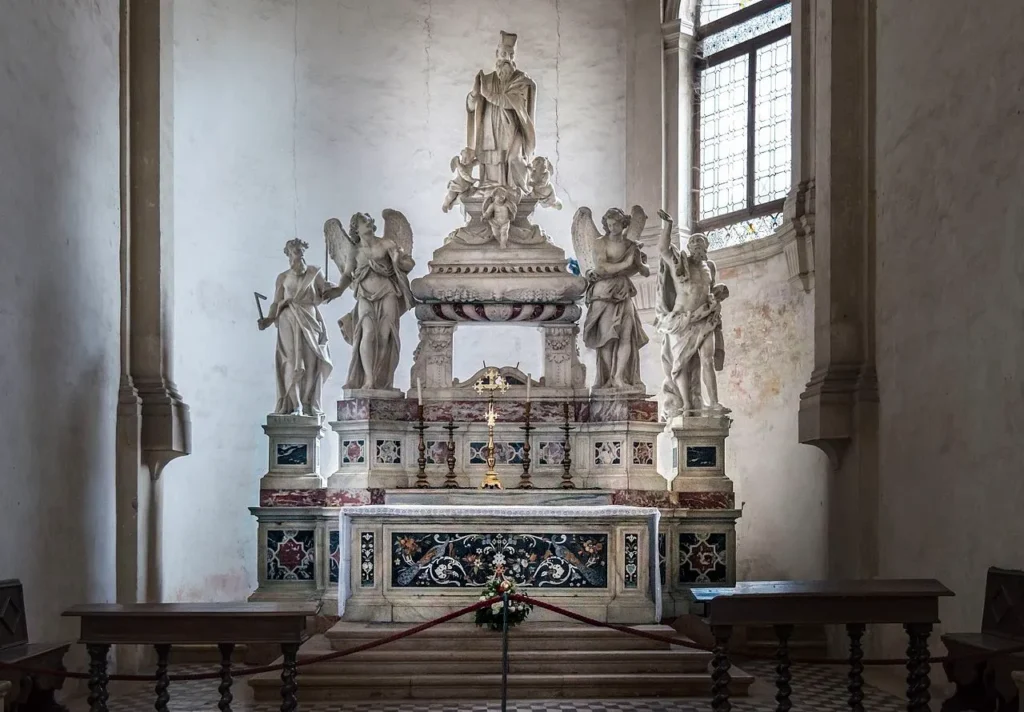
688,312
612,327
302,359
377,269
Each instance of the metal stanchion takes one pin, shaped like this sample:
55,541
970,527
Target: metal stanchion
504,651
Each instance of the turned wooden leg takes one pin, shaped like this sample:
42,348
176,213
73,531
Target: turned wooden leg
856,675
918,682
783,676
289,703
98,677
226,649
163,652
720,677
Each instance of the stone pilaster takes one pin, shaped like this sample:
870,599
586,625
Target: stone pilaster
432,360
678,45
562,367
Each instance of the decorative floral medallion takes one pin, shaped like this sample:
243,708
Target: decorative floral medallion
290,555
353,452
334,555
504,453
703,558
367,545
608,452
549,453
631,551
388,452
643,453
433,560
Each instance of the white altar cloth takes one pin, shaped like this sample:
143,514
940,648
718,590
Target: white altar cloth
470,517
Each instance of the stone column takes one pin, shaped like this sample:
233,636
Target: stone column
678,44
839,407
562,367
644,102
797,229
153,424
432,359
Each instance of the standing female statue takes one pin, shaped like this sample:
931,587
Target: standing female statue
377,269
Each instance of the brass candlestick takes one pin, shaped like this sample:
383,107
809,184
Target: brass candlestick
491,382
421,475
524,479
567,482
449,479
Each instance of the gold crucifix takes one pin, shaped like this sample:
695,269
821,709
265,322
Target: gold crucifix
492,381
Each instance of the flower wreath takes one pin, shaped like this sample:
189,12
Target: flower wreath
493,616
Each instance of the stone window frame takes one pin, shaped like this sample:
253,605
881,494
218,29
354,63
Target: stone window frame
747,250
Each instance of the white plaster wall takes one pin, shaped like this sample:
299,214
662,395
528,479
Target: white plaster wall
950,293
780,484
287,113
59,296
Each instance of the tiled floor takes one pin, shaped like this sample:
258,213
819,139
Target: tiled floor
815,689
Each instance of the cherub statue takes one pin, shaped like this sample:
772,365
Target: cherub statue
499,212
302,359
462,181
688,312
377,269
613,327
540,182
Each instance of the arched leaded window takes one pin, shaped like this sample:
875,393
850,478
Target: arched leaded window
742,118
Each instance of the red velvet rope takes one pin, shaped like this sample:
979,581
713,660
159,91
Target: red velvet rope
246,671
806,661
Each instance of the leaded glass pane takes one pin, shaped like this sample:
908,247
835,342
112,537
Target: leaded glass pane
743,231
711,10
744,31
723,138
773,87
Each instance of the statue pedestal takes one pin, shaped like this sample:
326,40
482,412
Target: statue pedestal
294,452
700,454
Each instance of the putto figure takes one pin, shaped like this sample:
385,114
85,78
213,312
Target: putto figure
501,112
462,182
377,269
540,182
613,327
499,212
689,313
302,359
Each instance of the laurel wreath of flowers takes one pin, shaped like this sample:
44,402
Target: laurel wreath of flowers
492,616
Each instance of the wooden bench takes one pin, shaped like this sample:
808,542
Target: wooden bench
28,693
987,685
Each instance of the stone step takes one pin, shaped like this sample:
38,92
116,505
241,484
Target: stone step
481,662
349,688
529,636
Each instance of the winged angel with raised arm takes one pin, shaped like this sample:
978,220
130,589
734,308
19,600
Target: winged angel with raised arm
613,327
377,269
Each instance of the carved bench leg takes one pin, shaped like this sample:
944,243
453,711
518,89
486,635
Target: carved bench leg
918,682
163,652
783,676
855,678
98,677
720,665
289,703
226,649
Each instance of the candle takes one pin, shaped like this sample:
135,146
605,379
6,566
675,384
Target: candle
529,378
419,392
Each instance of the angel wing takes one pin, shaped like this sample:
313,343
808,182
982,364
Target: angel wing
398,229
637,222
339,246
584,237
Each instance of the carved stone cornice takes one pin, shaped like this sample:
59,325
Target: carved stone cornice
677,35
797,234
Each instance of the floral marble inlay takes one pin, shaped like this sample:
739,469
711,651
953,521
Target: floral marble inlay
631,550
550,453
292,454
353,452
703,558
504,453
608,452
432,560
388,452
643,453
367,545
334,554
290,555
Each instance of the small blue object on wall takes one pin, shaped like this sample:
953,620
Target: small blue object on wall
574,266
701,456
292,454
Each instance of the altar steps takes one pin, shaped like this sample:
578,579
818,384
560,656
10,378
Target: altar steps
459,661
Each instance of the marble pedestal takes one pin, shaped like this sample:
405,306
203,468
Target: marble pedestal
294,452
410,563
700,454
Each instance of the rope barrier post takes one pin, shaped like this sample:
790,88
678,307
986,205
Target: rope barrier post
504,651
